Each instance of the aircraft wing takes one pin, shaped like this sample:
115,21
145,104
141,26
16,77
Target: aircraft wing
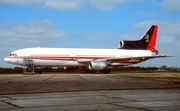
139,57
122,58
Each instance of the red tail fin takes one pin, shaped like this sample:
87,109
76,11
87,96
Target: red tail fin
150,38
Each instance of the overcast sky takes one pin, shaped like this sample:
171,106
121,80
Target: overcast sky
89,24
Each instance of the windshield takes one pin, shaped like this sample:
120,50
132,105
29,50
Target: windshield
12,54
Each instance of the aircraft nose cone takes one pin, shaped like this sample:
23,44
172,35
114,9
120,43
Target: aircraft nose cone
10,60
6,59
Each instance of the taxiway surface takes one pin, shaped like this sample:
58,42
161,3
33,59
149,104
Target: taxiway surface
79,92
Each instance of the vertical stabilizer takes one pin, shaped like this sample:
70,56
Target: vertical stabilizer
149,39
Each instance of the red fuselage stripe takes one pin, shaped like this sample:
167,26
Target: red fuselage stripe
68,58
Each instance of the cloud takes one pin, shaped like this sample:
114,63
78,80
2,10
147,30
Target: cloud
67,5
108,5
94,36
148,14
171,5
64,4
21,2
29,34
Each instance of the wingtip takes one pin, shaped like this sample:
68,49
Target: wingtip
163,55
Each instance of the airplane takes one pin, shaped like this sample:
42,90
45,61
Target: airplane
130,52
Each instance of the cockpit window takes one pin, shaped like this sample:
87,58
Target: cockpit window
13,54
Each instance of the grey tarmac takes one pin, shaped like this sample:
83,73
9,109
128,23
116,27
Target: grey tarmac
86,92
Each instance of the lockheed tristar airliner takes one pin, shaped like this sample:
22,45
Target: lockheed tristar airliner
130,52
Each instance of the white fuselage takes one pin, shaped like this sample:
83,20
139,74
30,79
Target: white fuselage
70,57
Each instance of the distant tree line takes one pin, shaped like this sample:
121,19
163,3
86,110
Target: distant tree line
119,69
11,70
149,69
136,69
20,70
